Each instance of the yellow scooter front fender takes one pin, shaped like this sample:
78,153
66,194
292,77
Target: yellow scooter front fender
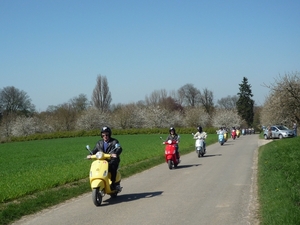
97,183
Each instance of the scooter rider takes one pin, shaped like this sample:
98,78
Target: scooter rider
200,133
174,136
221,131
107,145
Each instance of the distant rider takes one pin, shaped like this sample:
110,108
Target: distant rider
295,129
107,145
220,131
200,133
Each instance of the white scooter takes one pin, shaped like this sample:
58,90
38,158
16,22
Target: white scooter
199,146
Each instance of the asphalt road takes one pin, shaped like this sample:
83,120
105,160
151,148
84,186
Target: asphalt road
219,188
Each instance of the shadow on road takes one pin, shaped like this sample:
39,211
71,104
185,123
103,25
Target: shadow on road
185,166
206,156
227,144
131,197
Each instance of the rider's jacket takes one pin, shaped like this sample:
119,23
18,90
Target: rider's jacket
201,135
174,137
110,149
221,131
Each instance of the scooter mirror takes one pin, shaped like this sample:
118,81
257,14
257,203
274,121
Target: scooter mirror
117,145
88,148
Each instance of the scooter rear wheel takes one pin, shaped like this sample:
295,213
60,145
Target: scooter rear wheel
170,164
97,197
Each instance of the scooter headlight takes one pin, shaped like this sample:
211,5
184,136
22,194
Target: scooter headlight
169,142
99,155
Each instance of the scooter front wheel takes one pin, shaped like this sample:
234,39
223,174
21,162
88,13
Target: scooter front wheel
170,164
97,197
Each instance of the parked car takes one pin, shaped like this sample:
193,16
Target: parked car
279,131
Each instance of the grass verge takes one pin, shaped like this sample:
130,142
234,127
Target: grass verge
279,182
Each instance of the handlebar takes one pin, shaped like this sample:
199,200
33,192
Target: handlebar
100,155
170,142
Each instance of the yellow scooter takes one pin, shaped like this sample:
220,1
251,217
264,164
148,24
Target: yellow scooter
238,133
225,136
100,177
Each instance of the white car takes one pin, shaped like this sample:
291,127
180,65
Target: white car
279,131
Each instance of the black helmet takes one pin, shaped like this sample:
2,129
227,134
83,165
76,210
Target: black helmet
199,128
172,129
106,129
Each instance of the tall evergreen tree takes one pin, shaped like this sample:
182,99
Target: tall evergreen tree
245,104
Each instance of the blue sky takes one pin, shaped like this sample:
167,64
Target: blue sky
55,49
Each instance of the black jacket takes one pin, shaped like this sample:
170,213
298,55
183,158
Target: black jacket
173,137
110,148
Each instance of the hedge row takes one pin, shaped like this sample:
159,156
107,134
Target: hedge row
83,133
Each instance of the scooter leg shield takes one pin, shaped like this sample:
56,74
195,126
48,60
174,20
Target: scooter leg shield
97,183
118,178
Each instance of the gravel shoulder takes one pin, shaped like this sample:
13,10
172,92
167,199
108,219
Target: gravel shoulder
254,203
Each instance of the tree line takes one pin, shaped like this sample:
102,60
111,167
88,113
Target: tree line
186,107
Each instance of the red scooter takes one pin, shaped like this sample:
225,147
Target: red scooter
233,134
170,153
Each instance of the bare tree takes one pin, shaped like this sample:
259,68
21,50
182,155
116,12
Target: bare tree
163,100
189,95
156,97
207,100
13,100
62,117
170,104
101,95
228,102
80,103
